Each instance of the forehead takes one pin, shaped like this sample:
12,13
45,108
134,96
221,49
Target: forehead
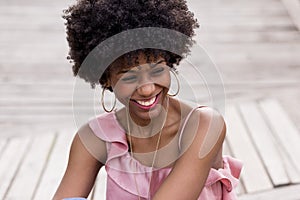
136,63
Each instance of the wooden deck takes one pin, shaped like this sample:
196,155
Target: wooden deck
261,134
255,45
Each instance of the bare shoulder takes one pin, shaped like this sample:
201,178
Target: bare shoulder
206,114
209,118
93,144
201,142
206,125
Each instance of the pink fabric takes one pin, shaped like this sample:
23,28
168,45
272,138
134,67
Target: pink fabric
121,181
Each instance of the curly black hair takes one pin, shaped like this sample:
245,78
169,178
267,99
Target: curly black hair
90,22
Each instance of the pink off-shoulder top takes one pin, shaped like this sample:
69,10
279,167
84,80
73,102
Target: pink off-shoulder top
125,173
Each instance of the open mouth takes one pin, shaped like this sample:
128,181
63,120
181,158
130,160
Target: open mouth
147,104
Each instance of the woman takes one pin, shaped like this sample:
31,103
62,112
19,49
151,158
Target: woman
155,146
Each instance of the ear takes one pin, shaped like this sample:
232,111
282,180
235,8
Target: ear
108,85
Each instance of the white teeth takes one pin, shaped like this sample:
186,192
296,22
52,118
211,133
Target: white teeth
147,103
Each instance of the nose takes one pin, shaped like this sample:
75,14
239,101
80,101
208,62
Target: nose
146,89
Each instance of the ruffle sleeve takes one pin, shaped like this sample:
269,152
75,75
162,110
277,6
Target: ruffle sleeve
220,183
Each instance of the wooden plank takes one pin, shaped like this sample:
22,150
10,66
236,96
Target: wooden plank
37,87
254,174
37,98
34,4
42,67
249,37
37,111
31,56
293,7
228,18
226,12
291,169
264,142
13,37
227,151
250,64
3,142
286,132
48,25
55,167
30,171
286,52
226,148
257,49
38,118
37,102
100,187
251,22
250,28
254,52
10,161
286,193
237,7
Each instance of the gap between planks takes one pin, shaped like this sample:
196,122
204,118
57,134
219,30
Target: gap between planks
293,7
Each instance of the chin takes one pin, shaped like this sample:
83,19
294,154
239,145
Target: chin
156,112
147,115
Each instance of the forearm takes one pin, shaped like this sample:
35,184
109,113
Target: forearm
184,184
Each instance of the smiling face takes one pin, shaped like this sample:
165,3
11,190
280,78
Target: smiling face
142,88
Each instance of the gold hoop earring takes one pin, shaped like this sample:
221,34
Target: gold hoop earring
178,84
103,105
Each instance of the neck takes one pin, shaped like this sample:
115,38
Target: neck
148,130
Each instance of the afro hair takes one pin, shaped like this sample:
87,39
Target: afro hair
90,22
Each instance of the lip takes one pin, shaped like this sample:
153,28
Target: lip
157,97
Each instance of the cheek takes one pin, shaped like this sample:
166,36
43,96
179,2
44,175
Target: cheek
121,97
168,81
163,81
123,92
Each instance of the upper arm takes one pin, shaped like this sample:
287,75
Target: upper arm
202,140
83,165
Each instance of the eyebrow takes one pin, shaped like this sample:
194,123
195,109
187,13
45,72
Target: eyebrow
134,71
155,64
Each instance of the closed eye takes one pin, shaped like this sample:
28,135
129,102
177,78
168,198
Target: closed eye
129,79
157,71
